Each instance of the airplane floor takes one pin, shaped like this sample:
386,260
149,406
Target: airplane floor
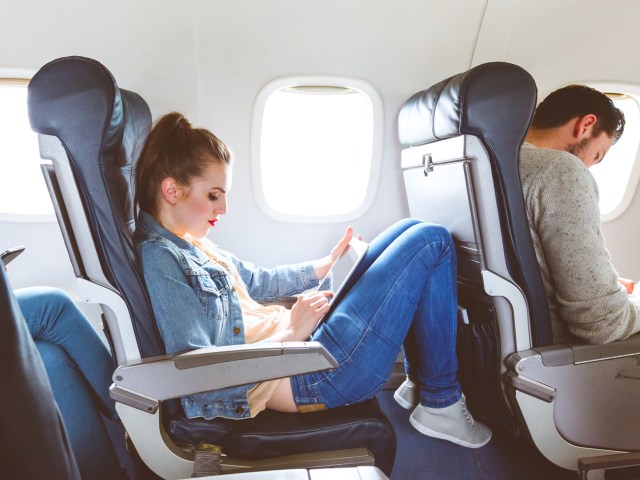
422,458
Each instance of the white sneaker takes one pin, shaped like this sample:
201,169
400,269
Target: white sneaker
407,395
453,423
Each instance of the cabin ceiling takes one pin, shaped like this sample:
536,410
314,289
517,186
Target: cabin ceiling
204,47
193,47
563,42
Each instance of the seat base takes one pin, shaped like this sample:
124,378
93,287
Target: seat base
272,434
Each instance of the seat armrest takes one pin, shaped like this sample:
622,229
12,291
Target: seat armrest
212,368
574,353
233,353
621,348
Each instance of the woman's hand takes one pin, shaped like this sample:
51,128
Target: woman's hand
307,312
341,247
322,266
305,315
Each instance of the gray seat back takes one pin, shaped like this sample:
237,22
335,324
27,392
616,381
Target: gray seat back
460,165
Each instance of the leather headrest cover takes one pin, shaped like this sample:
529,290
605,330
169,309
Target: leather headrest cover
90,105
491,96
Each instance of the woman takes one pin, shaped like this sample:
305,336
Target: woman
204,296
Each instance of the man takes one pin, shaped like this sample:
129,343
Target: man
78,367
572,129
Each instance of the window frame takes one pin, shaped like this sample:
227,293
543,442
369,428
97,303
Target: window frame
256,135
631,186
19,76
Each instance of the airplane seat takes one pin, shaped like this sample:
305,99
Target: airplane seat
32,434
92,132
464,135
461,140
32,422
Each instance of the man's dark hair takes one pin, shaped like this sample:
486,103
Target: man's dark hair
577,101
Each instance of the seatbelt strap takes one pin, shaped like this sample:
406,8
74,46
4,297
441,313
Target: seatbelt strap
206,460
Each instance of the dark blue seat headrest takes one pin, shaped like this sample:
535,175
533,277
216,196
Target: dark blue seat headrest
494,102
102,129
491,100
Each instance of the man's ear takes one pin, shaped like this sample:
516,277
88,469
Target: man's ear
583,127
170,190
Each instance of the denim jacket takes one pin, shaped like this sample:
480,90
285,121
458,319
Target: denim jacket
196,305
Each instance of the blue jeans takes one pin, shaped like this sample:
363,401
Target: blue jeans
79,367
403,292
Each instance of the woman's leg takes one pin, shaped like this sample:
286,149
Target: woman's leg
283,399
53,317
376,248
413,277
382,241
87,433
411,284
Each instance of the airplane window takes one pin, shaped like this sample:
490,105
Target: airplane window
315,152
617,176
23,195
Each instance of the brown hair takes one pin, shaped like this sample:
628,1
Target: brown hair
577,101
174,149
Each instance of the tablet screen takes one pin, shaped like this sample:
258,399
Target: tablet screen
328,274
354,255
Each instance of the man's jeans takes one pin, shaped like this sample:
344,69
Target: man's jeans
405,288
79,367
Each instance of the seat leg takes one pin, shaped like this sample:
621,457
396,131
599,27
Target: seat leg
153,444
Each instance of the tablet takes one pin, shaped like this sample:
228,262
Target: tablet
355,253
354,256
328,274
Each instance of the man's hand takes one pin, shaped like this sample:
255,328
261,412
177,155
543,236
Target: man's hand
628,284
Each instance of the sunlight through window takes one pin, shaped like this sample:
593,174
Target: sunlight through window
614,174
23,189
316,151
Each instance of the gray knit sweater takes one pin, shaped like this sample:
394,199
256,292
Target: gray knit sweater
585,299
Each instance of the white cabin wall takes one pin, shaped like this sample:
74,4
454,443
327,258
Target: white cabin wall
568,42
399,47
